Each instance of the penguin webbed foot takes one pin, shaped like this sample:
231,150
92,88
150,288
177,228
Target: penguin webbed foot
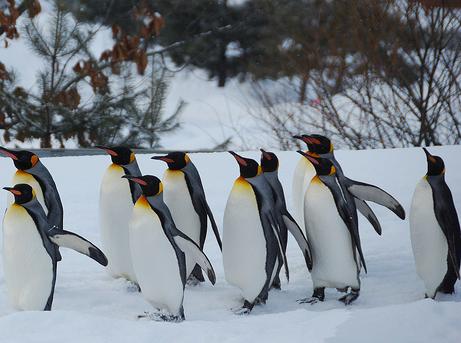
245,309
196,277
318,295
161,317
350,297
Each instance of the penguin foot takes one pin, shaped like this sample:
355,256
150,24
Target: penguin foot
245,309
161,317
193,281
133,287
309,300
350,297
342,290
318,295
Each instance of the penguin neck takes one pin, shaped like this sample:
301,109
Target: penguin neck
132,169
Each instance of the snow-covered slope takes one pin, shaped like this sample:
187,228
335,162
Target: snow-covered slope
89,306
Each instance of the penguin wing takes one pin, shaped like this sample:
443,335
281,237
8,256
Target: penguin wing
365,191
368,213
345,213
195,187
192,250
447,217
297,233
75,242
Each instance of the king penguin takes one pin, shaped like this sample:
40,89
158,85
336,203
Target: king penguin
435,232
30,170
270,166
117,198
333,234
185,197
357,193
30,251
159,252
252,250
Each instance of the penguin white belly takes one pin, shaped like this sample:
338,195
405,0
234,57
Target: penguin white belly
28,267
115,208
154,260
23,177
177,197
303,174
334,264
244,245
429,244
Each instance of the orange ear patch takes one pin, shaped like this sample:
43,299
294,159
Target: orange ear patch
34,160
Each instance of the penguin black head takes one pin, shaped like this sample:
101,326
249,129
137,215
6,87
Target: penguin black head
119,155
176,160
22,192
22,159
248,168
317,143
150,185
269,161
323,166
435,165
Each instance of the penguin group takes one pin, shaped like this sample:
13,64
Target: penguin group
153,231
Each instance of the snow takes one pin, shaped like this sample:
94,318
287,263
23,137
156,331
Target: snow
90,306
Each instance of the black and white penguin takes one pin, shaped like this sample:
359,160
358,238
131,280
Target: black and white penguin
270,166
252,250
359,192
30,251
30,170
117,198
159,252
185,197
333,235
435,231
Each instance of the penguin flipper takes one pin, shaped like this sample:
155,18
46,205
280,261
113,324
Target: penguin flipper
214,226
276,229
71,240
192,250
368,213
447,217
297,233
365,191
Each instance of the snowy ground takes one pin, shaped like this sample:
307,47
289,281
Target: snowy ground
90,306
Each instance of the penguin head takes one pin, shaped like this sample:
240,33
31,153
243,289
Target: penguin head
22,192
317,143
22,159
150,185
435,165
119,155
248,168
269,161
176,160
323,166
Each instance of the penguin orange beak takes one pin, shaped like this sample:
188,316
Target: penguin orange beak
106,149
163,158
12,190
240,159
266,155
135,179
8,153
311,159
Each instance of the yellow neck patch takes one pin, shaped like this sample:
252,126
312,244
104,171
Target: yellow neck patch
332,170
132,157
332,147
142,202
